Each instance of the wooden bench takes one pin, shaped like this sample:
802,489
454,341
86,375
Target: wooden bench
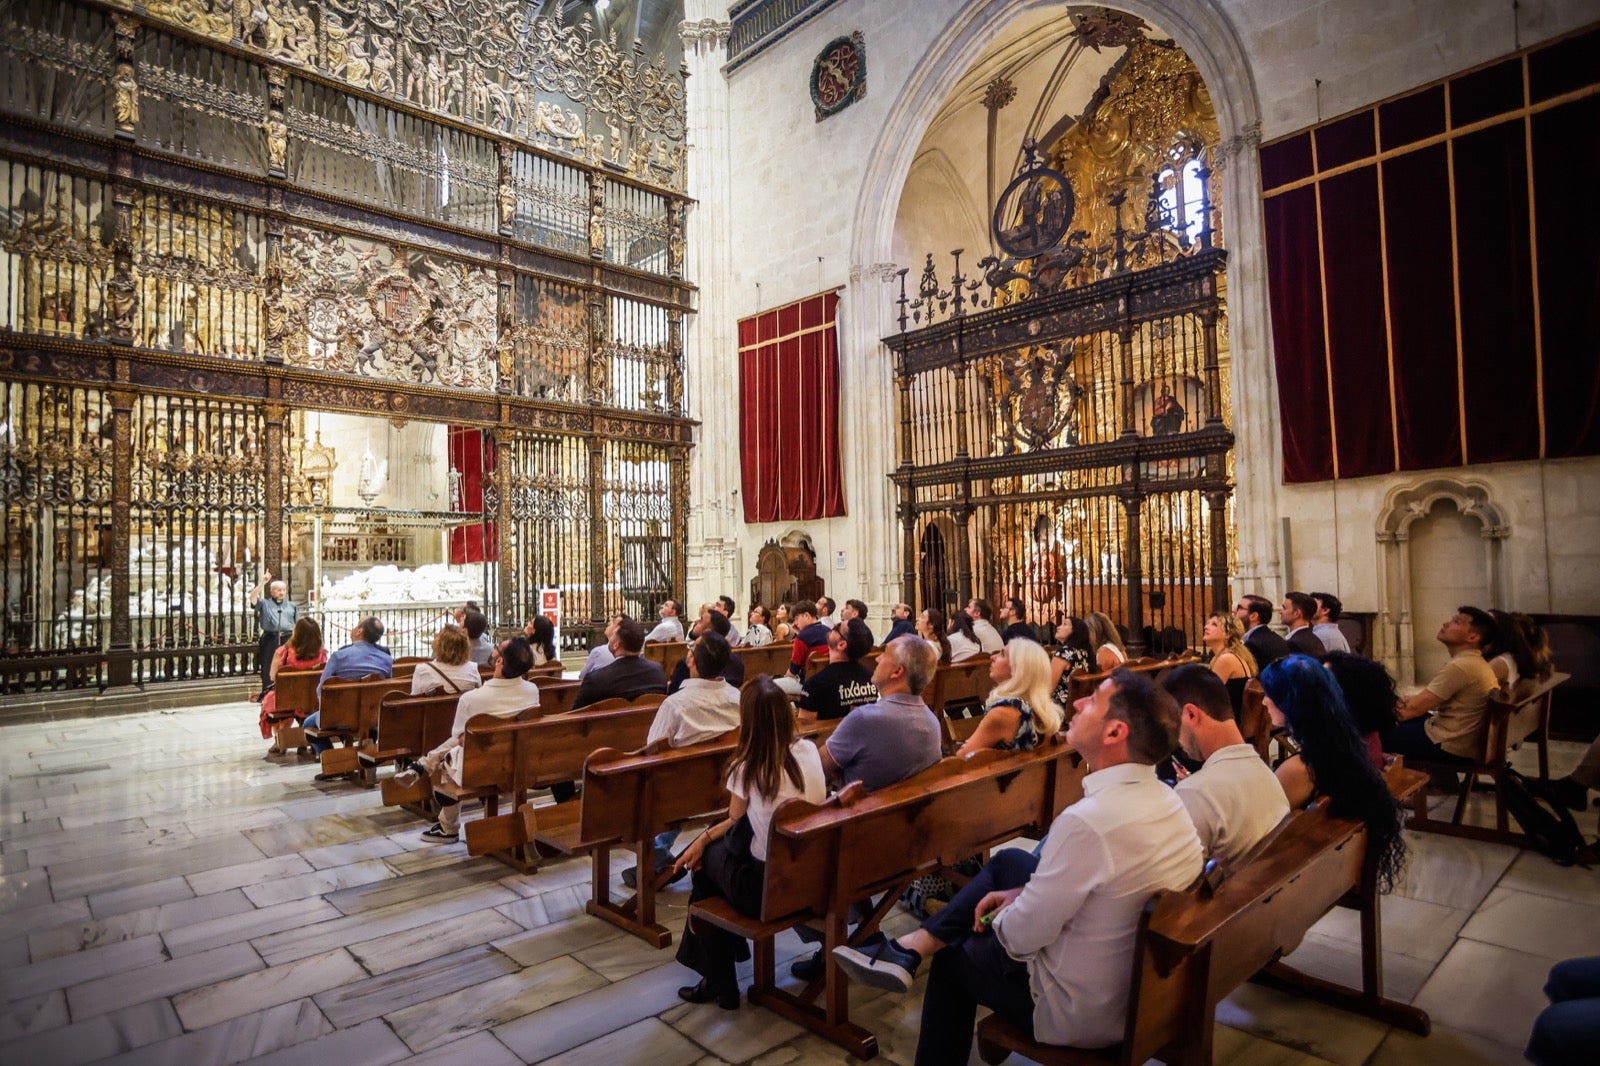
553,668
629,798
1081,685
1509,720
958,685
296,697
348,713
408,726
538,751
556,696
668,653
769,659
823,858
1196,946
1254,722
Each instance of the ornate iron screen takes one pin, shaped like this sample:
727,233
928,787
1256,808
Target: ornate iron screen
1063,418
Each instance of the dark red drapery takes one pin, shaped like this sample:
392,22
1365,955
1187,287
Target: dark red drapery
1482,346
789,412
472,456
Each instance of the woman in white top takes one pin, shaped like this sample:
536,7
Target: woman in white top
729,859
964,643
930,627
452,668
541,633
1109,652
759,635
1519,650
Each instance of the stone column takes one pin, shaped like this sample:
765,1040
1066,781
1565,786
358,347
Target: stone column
871,451
712,563
120,648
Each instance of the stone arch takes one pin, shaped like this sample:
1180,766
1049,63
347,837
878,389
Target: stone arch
1403,507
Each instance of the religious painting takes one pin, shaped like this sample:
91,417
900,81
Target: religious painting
1167,407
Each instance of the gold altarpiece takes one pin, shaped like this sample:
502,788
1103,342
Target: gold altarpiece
222,217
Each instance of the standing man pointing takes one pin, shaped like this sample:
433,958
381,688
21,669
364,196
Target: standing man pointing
276,616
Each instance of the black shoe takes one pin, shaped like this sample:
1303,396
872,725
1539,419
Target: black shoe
884,965
1568,793
808,968
630,877
330,777
727,999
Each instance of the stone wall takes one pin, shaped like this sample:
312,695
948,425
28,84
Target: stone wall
797,206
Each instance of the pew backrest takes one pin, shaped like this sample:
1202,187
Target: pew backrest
1254,722
414,725
297,690
353,705
769,659
1515,716
668,653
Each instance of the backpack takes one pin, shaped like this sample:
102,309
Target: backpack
1549,826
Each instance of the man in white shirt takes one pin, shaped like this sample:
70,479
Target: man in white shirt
725,606
1234,799
982,615
503,695
1063,920
825,607
1325,623
705,706
669,629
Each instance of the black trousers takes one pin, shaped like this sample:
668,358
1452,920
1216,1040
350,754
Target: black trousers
736,877
267,648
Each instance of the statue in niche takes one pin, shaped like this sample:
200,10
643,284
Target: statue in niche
126,105
277,132
122,292
639,164
615,133
508,206
383,64
663,154
597,221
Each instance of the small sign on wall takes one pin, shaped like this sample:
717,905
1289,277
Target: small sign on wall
550,607
838,560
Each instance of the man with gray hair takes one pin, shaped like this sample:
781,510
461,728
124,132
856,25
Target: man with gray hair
276,616
880,743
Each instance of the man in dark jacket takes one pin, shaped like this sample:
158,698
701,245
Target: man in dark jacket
1267,647
630,676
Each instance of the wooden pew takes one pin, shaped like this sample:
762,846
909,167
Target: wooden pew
537,752
1254,722
770,659
629,798
668,653
1509,721
614,703
348,714
555,695
822,858
296,697
1082,685
958,685
553,668
408,726
1196,946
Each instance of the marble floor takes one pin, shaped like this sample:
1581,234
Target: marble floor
168,895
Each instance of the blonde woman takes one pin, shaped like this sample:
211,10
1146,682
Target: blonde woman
1231,660
1107,642
1020,711
451,669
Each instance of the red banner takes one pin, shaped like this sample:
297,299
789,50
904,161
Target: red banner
789,412
472,457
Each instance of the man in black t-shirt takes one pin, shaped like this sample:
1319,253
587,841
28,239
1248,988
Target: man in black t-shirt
844,683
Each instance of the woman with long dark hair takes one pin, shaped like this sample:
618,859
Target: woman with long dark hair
1074,654
1369,696
542,635
930,627
1334,763
303,651
729,859
964,643
1520,651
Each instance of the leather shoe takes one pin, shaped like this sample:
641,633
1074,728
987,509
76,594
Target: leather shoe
330,777
727,999
808,968
1568,793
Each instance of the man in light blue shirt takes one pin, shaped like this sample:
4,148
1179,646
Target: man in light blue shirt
362,657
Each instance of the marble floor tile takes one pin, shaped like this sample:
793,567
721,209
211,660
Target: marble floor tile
138,897
594,1014
417,887
1443,1045
398,950
529,913
737,1035
557,938
98,1037
238,928
377,847
1536,924
78,936
420,983
484,1006
479,1049
1335,959
205,882
1488,991
33,1014
30,888
620,957
1411,927
88,876
1320,1031
297,943
266,988
1532,872
1238,1048
318,883
73,969
1451,871
74,845
103,994
368,1044
431,856
257,1033
18,923
649,1040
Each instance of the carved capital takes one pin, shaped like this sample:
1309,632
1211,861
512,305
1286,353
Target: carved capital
710,33
1248,140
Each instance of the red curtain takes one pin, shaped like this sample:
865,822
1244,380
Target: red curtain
1481,300
789,412
472,456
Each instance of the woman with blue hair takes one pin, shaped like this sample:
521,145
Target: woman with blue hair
1333,765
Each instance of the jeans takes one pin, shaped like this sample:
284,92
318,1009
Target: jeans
1410,738
318,744
973,969
1567,1032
